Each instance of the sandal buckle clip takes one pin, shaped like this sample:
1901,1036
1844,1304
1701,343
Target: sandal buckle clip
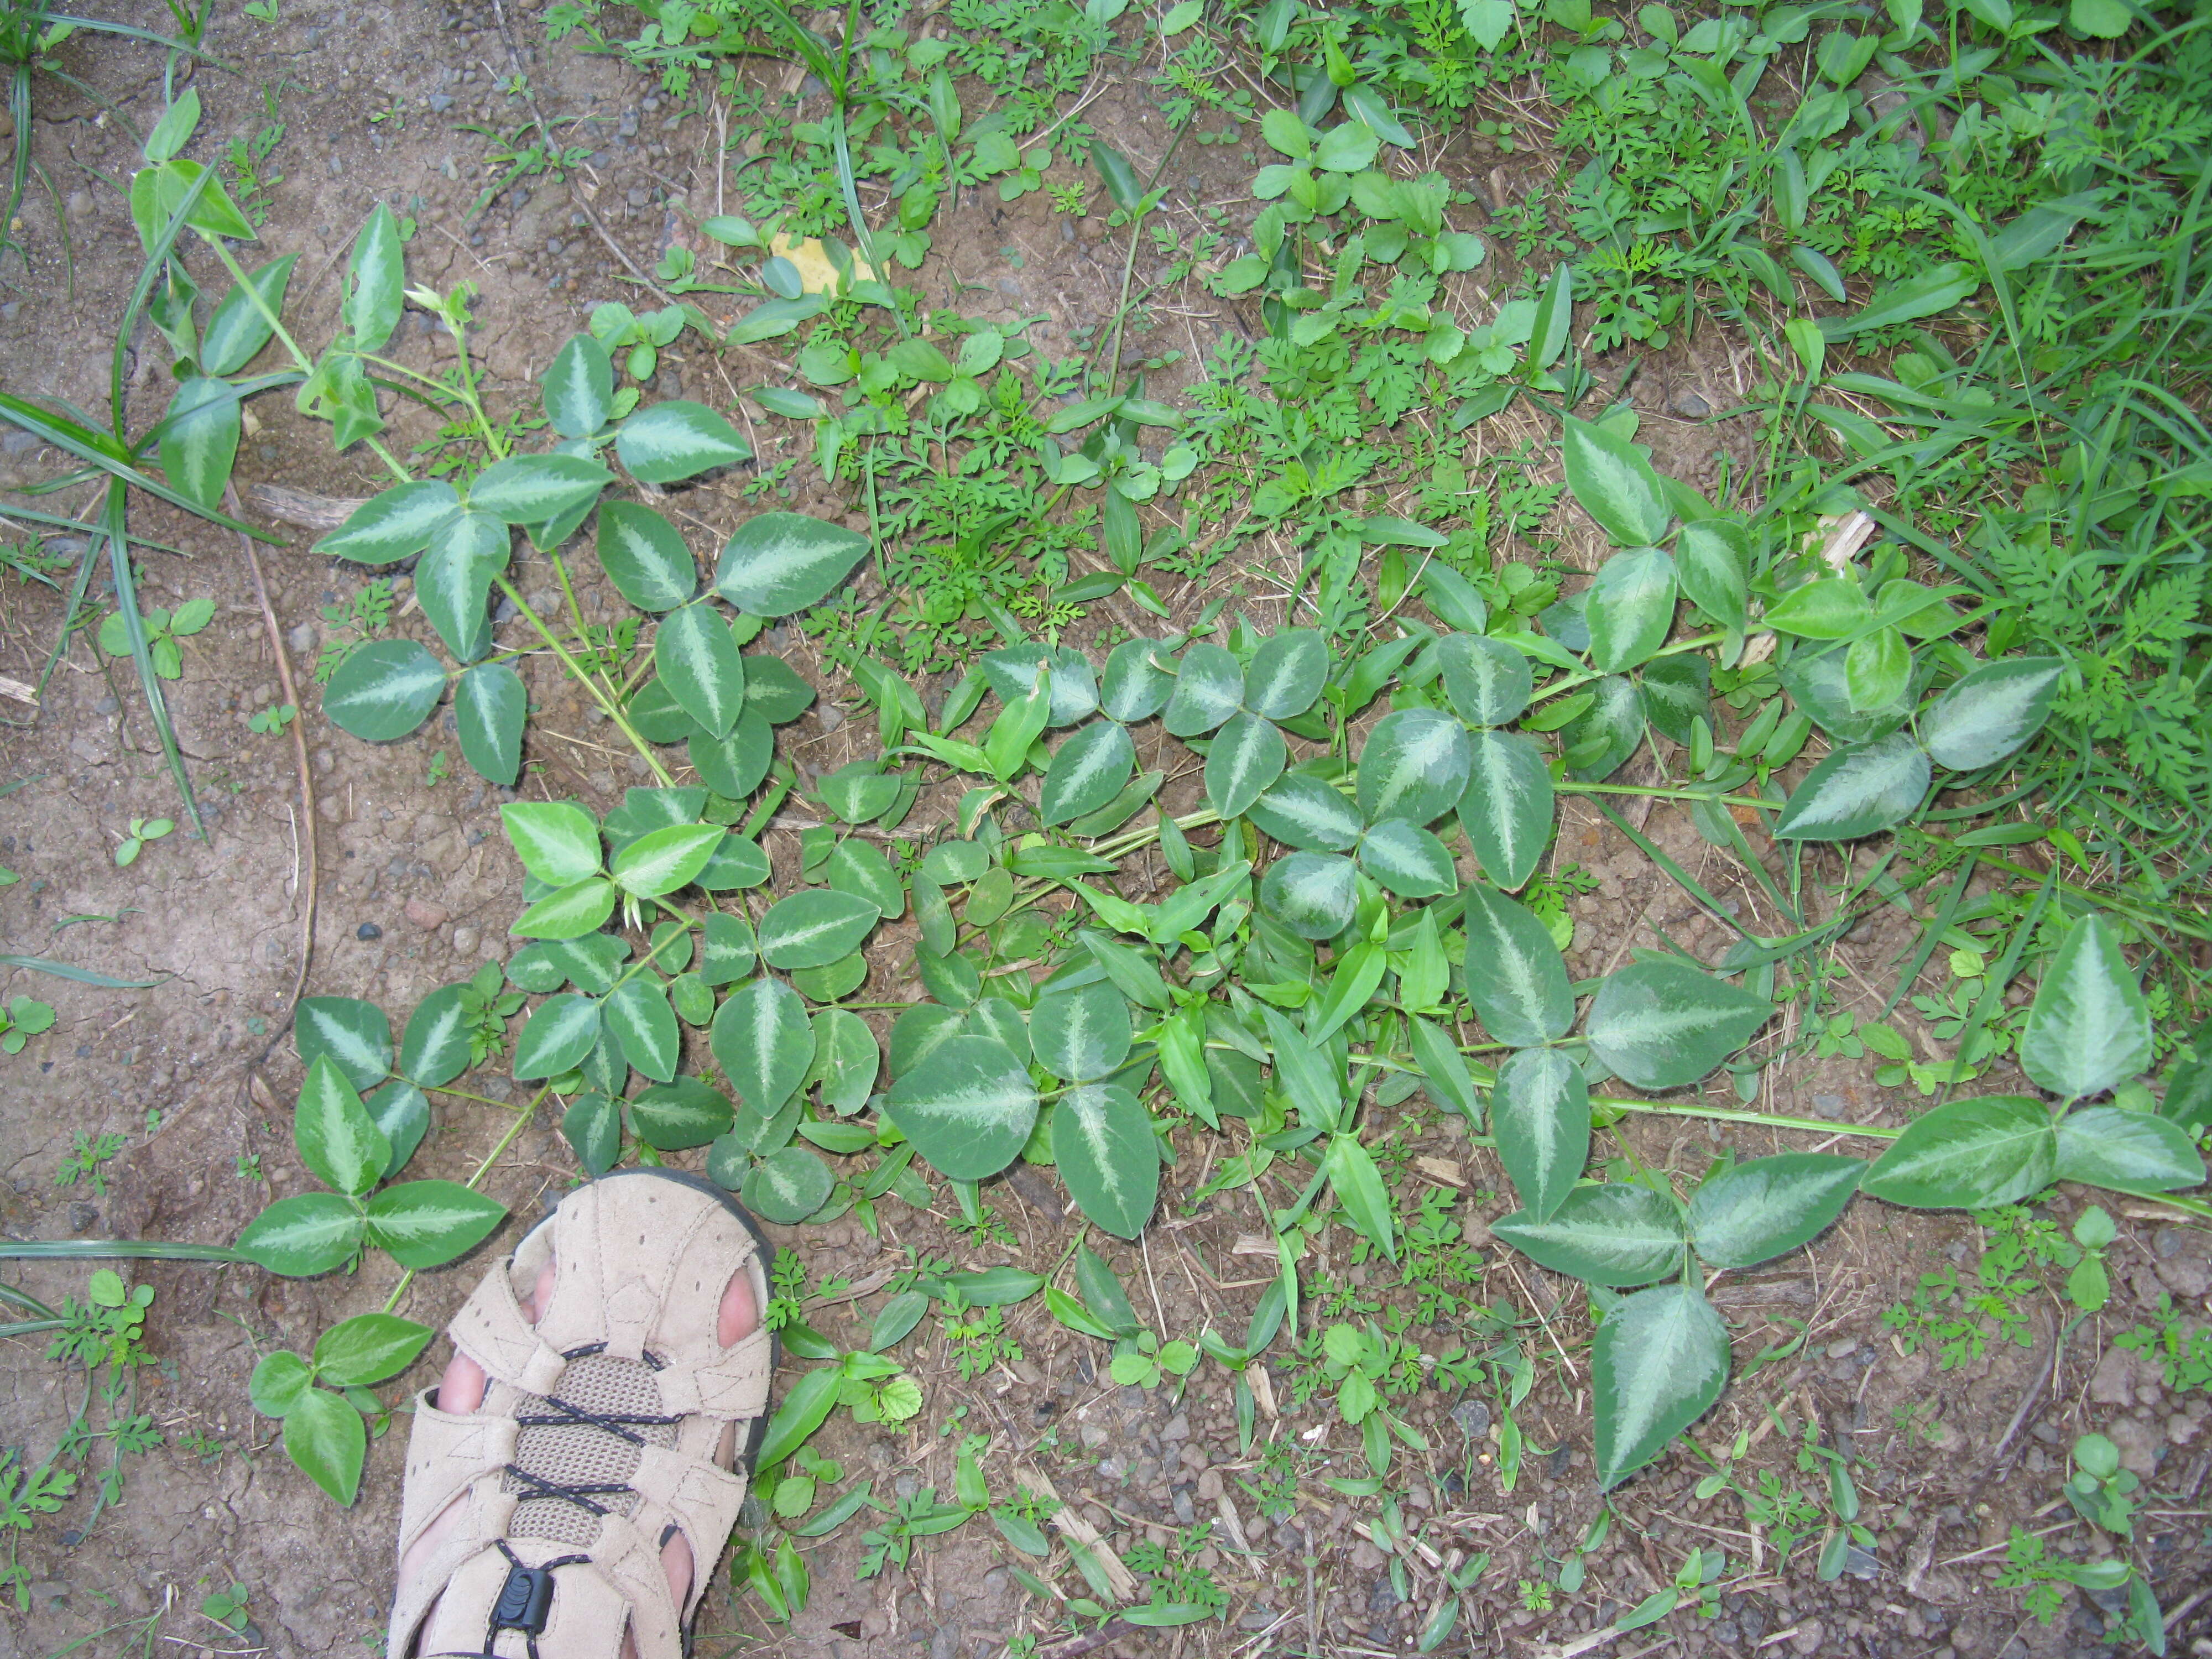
526,1601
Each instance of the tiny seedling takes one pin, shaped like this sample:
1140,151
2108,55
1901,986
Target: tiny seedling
86,1161
142,831
2101,1491
273,720
164,628
22,1018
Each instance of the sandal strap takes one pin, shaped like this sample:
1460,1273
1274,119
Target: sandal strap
692,1494
732,1387
491,1329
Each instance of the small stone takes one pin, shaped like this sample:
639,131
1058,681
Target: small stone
1178,1427
1807,1637
2139,1443
1843,1349
1690,406
301,638
1209,1485
79,204
1258,1619
2112,1383
905,1485
1861,1563
1830,1106
1365,1557
1185,1514
427,916
368,930
464,940
441,102
1472,1417
2188,1276
1093,1436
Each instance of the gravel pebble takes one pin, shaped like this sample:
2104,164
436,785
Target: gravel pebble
368,930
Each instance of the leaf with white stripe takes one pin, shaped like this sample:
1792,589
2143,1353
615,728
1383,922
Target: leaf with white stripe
780,562
434,1049
1136,686
814,929
1659,1362
490,706
1104,1146
557,840
1990,711
2127,1151
1087,771
199,438
578,387
1301,810
1857,792
561,1032
336,1139
1770,1206
569,912
1663,1024
664,860
384,690
787,1186
1629,608
1540,1113
1507,807
452,580
426,1224
1487,680
1711,559
1515,977
1312,894
1968,1154
968,1108
1287,674
1602,738
677,440
1414,766
532,488
700,664
1612,482
1081,1034
1407,860
764,1043
646,557
1247,754
2089,1028
1209,689
637,1012
1619,1234
355,1035
1013,675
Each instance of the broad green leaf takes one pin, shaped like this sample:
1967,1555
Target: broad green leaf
645,556
781,563
2089,1028
1414,766
1614,484
239,330
533,489
1506,808
733,766
1303,1072
677,1115
1663,1025
578,388
814,929
764,1043
677,440
1246,755
1658,1362
376,289
1629,607
1968,1155
1300,811
336,1139
1408,861
323,1434
1617,1234
1103,1146
279,1381
859,868
1815,685
846,1060
384,690
369,1349
1829,608
2188,1099
787,1186
1135,687
1352,984
1712,563
1209,688
1087,771
1347,147
1877,669
1771,1205
968,1108
300,1237
1924,295
1358,1186
1515,977
1677,692
426,1224
663,860
1287,674
1081,1034
490,707
199,438
1857,792
1540,1113
2126,1150
699,663
1312,894
569,912
453,578
1014,672
1444,1075
402,1113
356,1035
1990,711
1487,680
557,841
637,1012
560,1033
1607,733
774,690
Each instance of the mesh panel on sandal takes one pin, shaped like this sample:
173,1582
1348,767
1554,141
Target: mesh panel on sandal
578,1449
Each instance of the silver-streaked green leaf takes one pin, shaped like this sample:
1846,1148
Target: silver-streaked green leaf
199,438
561,1032
239,330
557,840
1312,894
1659,1362
452,580
1629,607
1300,811
490,705
1712,563
356,1036
376,288
1407,860
733,766
1663,1025
675,1116
780,562
787,1186
1013,675
860,867
578,387
645,557
677,440
1617,1234
1087,771
637,1012
1540,1113
1103,1146
336,1139
2089,1028
1209,689
764,1043
569,912
1135,687
1677,693
1816,688
1081,1034
1287,674
426,1224
814,929
1515,977
1614,484
1770,1206
662,861
532,488
384,690
1487,679
699,663
1857,792
435,1048
2127,1151
1247,754
1598,743
1506,808
968,1108
1414,766
401,1112
1990,711
300,1237
1968,1155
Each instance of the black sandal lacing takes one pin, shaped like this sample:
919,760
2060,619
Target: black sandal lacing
623,1425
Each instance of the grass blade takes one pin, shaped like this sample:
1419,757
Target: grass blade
127,600
95,1249
81,975
64,436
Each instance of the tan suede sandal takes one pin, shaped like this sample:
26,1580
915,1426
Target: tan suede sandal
596,1443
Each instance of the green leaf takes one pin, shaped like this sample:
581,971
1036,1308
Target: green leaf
1209,688
1287,674
662,860
1990,711
1358,1186
199,438
403,1116
1013,674
774,690
1619,1234
490,707
2101,20
1677,693
533,489
1713,561
1506,807
1663,1024
2089,1028
239,330
814,929
781,563
1121,186
175,128
384,690
806,1406
336,1139
1081,1034
1629,607
452,580
1607,733
1444,1076
367,1349
1358,974
560,1033
1540,1113
1968,1155
733,766
1135,686
572,911
2127,1151
968,1108
377,286
699,663
846,1060
426,1224
279,1382
1300,811
578,389
1932,290
645,556
1414,766
1312,894
354,1036
1877,669
1857,792
1769,1207
1103,1146
1658,1362
994,1287
1830,608
1614,484
677,440
323,1434
1347,147
675,1116
557,841
787,1186
637,1012
1488,681
1515,977
763,1044
1087,771
860,869
300,1237
1247,754
1408,861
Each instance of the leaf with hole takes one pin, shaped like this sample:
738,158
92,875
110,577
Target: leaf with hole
1515,977
1770,1206
1968,1155
1658,1362
968,1108
1857,792
780,562
2089,1028
384,690
1663,1025
1540,1113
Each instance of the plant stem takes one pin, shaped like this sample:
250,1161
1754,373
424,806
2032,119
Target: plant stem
521,1120
612,710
